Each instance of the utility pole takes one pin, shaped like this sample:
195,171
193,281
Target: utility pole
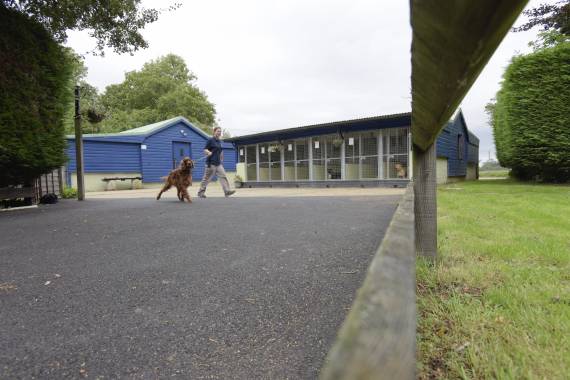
78,149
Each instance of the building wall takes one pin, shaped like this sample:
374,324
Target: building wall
459,146
94,181
441,170
230,159
240,170
139,155
367,155
106,157
157,157
471,171
473,153
447,146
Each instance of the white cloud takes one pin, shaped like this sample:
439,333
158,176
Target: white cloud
271,65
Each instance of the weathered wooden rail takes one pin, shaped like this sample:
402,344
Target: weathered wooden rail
378,337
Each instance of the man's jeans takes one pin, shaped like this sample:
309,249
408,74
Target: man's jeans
209,172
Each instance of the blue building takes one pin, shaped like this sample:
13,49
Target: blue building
457,152
149,152
369,151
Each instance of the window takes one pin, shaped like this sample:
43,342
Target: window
351,156
241,155
302,159
460,147
318,158
289,160
251,163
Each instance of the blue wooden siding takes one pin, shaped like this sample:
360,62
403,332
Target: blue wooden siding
473,153
106,157
125,154
114,138
157,157
230,159
451,137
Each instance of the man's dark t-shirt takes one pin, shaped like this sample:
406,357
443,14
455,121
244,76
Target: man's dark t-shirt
214,146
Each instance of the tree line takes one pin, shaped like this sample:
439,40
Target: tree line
162,89
38,75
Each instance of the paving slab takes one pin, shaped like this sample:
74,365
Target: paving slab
251,287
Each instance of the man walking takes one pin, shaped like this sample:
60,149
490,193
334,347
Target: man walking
213,150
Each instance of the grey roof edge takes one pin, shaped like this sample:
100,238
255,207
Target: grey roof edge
314,126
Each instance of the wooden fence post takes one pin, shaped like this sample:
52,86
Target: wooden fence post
425,201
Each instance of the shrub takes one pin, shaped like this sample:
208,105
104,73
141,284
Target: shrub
69,193
531,118
34,75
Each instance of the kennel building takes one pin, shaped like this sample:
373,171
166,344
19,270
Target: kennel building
374,151
147,152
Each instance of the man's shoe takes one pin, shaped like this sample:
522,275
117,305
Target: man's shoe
228,193
201,194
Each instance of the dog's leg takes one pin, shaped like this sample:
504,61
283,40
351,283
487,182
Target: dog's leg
185,195
164,188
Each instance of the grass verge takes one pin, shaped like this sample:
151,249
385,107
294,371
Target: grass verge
496,304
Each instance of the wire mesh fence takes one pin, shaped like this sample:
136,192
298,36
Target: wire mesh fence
377,154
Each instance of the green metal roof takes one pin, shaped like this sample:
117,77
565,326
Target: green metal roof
150,128
145,129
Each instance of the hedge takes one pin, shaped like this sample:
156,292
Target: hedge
34,78
531,119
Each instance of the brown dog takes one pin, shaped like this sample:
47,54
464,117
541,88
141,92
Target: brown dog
181,177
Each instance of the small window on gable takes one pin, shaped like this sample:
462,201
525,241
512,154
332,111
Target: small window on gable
460,147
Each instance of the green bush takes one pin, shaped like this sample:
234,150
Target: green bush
69,193
531,119
34,75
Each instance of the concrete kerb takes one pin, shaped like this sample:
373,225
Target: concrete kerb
215,191
378,337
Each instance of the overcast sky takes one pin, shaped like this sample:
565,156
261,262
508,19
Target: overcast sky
272,65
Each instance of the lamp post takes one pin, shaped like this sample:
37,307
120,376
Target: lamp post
78,148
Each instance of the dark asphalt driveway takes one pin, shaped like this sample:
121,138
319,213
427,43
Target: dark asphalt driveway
236,288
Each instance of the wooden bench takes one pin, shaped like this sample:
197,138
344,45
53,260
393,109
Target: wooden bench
109,181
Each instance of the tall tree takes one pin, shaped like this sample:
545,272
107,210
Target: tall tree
162,89
34,77
549,16
532,114
115,24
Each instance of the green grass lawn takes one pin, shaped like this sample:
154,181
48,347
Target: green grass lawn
496,305
494,173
